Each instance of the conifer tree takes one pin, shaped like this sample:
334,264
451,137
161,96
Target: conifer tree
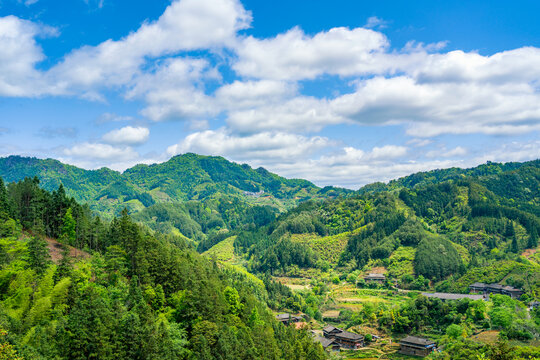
38,254
514,247
68,228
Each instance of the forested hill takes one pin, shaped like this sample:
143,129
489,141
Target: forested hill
130,295
486,225
484,173
182,178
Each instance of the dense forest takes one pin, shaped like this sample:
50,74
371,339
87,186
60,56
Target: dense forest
130,295
207,179
190,259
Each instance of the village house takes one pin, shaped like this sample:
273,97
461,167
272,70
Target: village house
416,346
482,288
451,296
287,319
344,339
328,344
380,278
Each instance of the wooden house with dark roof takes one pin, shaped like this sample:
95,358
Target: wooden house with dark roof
345,339
477,288
327,344
349,340
495,289
452,296
287,319
416,346
380,278
512,292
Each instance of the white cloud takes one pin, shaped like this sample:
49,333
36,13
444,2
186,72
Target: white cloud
97,152
127,135
301,113
263,147
376,22
185,25
112,117
436,108
173,90
254,94
19,55
353,168
514,151
295,55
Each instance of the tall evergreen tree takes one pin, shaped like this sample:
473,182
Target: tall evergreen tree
515,246
68,228
38,254
533,239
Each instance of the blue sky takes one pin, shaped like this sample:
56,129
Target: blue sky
342,92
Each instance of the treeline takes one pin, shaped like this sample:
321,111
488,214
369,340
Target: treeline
137,296
200,221
48,213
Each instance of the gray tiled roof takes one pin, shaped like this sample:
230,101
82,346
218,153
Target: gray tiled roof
417,341
450,296
349,336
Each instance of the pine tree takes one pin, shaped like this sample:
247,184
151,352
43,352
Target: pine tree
69,234
533,239
65,266
4,203
38,254
514,247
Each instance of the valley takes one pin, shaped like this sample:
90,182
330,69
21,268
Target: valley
365,261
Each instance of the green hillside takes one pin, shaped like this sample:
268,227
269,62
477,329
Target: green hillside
476,221
130,295
191,194
443,232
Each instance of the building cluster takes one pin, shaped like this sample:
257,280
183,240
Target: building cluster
452,296
481,288
337,338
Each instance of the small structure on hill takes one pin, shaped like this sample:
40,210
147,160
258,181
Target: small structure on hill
288,319
328,344
380,278
416,346
451,296
344,339
480,288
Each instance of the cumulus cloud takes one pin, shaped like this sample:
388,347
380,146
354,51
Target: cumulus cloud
263,146
253,94
352,168
295,55
513,151
173,90
98,151
127,135
270,118
19,55
185,25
